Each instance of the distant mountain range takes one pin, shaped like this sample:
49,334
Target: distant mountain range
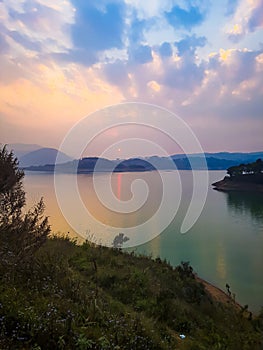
38,158
87,165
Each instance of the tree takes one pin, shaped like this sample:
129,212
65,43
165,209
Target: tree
259,166
235,170
20,234
250,168
12,196
185,269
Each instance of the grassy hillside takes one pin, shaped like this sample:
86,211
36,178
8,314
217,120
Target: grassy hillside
86,297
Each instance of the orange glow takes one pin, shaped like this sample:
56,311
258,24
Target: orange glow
53,101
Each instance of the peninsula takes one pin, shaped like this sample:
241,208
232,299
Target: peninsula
244,177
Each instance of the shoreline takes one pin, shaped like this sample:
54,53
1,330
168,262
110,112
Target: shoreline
217,293
227,185
28,169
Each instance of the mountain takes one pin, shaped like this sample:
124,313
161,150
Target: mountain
181,162
43,156
91,164
134,164
237,157
20,149
197,162
219,164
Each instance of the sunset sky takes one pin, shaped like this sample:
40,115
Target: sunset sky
62,60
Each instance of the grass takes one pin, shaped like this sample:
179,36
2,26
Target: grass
92,297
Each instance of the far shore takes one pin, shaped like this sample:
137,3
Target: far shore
51,171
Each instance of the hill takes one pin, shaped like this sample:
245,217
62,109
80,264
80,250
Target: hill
236,157
243,177
20,149
92,297
87,165
42,156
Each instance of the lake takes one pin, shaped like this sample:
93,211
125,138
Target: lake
225,245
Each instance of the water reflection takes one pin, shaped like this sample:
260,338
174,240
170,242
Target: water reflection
246,203
221,261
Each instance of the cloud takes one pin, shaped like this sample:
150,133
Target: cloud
189,44
256,19
96,29
185,75
227,87
3,44
166,50
179,17
141,54
68,32
116,73
233,65
231,89
247,18
25,41
46,109
231,7
78,55
182,71
136,30
32,23
145,10
61,59
154,85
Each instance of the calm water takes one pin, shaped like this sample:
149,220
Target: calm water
224,246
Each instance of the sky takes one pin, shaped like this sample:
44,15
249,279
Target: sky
66,59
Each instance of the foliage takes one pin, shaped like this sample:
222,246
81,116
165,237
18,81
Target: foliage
62,300
20,234
12,196
250,168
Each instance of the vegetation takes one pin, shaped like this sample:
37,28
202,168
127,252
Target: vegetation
250,168
243,178
55,294
20,234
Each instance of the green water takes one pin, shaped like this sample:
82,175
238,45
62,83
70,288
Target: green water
224,246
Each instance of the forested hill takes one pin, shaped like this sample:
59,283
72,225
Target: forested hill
243,177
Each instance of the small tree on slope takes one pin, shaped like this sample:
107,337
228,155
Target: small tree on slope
20,234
